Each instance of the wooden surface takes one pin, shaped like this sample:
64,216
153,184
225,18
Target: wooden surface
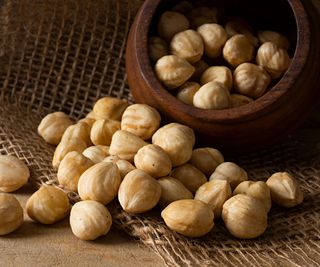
253,126
37,245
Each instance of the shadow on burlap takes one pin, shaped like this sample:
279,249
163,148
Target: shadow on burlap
63,55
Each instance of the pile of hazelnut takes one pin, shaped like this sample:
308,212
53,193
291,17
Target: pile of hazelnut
121,151
214,67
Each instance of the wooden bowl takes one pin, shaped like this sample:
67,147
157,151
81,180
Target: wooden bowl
263,122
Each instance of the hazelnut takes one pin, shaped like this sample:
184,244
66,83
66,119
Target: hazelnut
188,45
200,68
172,190
258,190
244,216
14,173
251,80
81,130
173,71
96,153
177,141
11,214
274,37
206,159
153,160
236,25
111,159
109,108
158,48
231,172
139,192
202,15
187,91
89,220
124,166
100,183
237,100
71,168
103,130
141,120
274,59
48,205
212,95
219,74
52,127
183,7
189,176
125,145
214,193
189,217
237,50
65,147
214,37
91,115
285,190
171,23
89,121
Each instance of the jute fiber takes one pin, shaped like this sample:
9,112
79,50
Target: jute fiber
63,55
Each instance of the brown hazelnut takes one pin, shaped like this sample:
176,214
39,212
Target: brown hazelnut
237,50
103,130
231,172
237,100
158,48
251,80
171,23
237,25
177,141
202,15
173,71
188,45
274,37
206,159
187,91
189,176
141,120
274,59
219,74
212,95
109,108
214,37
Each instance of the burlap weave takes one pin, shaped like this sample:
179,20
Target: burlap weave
63,55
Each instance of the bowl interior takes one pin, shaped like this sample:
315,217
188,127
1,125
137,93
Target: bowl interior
278,15
262,15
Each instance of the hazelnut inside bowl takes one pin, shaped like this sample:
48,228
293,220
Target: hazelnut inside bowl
261,123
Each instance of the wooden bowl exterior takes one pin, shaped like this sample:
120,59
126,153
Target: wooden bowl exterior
259,124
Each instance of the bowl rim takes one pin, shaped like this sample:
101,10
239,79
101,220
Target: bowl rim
260,106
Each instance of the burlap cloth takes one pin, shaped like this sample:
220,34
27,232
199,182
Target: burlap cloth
63,55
